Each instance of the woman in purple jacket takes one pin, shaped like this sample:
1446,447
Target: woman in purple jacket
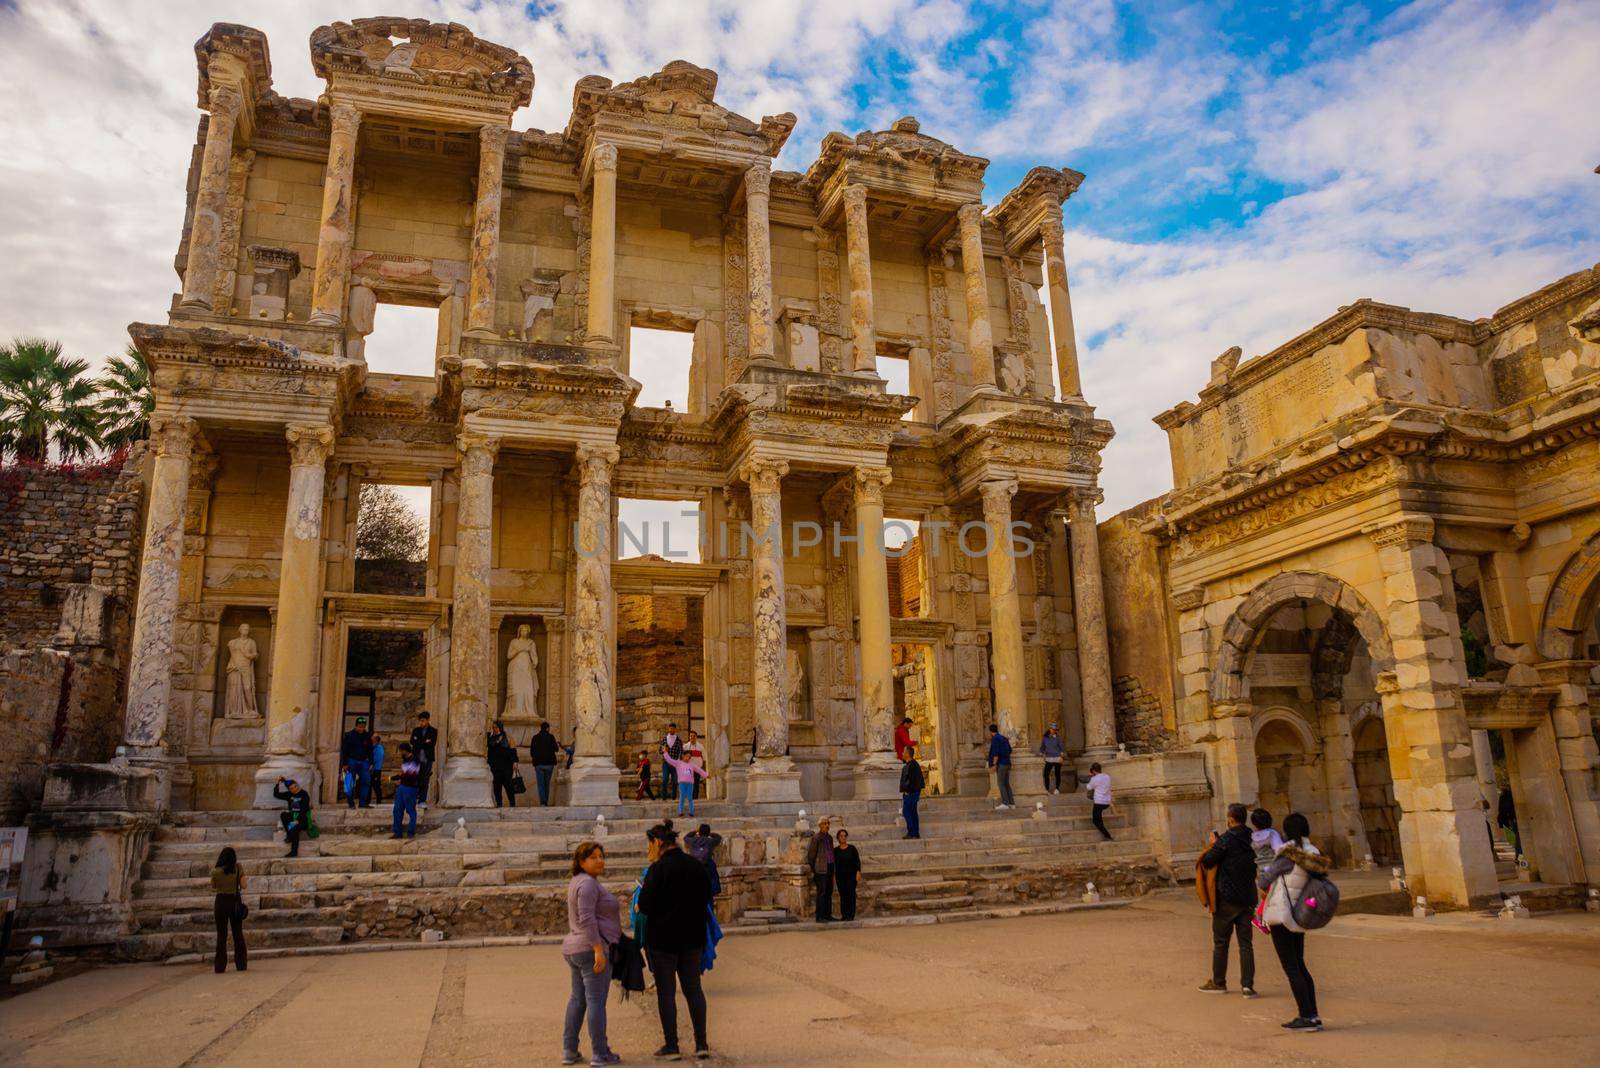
594,924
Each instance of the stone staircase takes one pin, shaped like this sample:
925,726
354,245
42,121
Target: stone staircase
508,875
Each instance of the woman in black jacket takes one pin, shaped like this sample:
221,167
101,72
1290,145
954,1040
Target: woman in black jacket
846,870
227,882
673,900
502,764
298,813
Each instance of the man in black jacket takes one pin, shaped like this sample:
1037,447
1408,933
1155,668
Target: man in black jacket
911,782
542,752
296,815
424,737
1235,861
355,756
674,900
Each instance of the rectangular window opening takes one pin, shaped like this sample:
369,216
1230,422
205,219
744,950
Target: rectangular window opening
908,571
404,340
393,536
895,370
658,530
660,361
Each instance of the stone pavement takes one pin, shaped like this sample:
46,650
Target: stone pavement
1113,986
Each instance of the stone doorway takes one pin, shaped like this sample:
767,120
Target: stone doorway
917,695
661,680
385,682
1380,815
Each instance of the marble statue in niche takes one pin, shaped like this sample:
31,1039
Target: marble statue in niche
522,676
240,700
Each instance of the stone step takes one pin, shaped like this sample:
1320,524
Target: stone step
155,945
942,903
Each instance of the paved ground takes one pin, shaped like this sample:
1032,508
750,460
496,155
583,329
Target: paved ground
1112,987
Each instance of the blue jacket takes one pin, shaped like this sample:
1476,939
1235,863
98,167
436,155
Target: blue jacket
377,755
999,749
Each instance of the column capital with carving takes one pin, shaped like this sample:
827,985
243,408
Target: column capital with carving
478,452
224,101
997,494
1404,531
595,462
492,138
870,481
345,119
603,157
763,475
310,444
1081,504
855,197
173,435
758,179
1052,228
970,215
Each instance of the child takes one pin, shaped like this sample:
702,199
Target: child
686,773
1264,840
645,789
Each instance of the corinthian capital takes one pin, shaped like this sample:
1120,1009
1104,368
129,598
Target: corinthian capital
1406,531
224,100
997,494
603,157
492,139
310,444
1081,504
758,179
172,435
970,216
478,452
345,119
595,463
764,475
855,198
870,481
1052,230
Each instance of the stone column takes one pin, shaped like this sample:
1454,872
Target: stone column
594,771
338,217
211,199
291,710
758,260
472,654
1578,755
1447,855
603,245
879,773
863,328
980,335
1005,617
1094,650
486,230
774,777
1053,235
150,662
1346,833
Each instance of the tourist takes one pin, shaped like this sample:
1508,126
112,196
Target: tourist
227,883
1285,879
594,925
645,790
902,738
355,761
405,790
502,756
846,870
297,813
1263,839
673,900
674,747
1233,858
684,774
819,862
1506,817
702,846
1099,798
378,754
694,754
1000,761
911,784
424,739
543,751
1054,753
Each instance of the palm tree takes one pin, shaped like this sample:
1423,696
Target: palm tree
46,398
125,401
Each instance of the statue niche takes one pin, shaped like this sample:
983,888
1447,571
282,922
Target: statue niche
240,689
521,688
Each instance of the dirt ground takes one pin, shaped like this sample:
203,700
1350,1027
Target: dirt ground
1111,987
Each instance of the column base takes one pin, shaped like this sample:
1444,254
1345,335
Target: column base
877,777
325,319
285,766
1027,774
1100,752
773,779
465,783
593,781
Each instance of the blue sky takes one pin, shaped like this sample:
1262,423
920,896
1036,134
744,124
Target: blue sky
1251,167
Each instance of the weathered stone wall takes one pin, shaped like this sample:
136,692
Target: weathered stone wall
1138,630
68,568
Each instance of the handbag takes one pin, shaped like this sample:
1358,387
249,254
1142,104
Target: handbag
240,909
517,785
312,830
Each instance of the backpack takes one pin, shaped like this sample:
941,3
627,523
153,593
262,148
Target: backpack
1317,904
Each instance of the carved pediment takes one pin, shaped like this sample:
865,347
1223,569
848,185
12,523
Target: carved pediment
680,95
416,50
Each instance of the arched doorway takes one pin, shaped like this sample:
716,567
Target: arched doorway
1287,759
1380,816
